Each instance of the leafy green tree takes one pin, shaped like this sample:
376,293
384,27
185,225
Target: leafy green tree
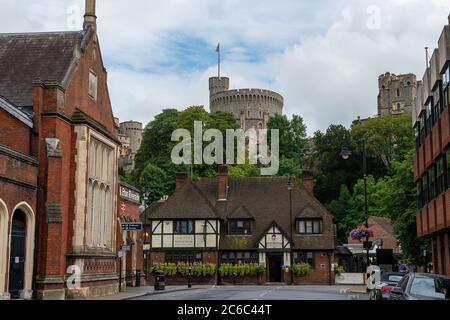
388,138
293,139
340,209
156,141
157,180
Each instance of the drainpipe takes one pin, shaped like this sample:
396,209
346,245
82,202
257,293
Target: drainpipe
330,280
36,237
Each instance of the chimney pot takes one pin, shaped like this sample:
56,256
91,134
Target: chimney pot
90,19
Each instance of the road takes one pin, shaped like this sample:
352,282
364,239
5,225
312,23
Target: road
262,293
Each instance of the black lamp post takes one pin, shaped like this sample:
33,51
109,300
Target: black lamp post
345,154
290,187
190,277
147,192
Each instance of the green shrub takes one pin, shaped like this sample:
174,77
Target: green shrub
301,269
338,269
241,270
182,269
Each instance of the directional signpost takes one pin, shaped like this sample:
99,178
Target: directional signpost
135,226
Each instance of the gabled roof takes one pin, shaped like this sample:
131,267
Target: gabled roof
241,212
16,112
25,57
188,203
308,212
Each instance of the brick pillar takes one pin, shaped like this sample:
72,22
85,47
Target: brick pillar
50,281
308,181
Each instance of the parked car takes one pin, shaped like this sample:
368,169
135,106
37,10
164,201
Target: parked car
389,281
422,286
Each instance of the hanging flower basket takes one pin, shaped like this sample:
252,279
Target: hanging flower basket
361,233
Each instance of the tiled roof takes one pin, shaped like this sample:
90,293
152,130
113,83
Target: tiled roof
265,198
30,56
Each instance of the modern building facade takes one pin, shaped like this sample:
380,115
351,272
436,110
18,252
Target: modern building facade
252,108
396,93
244,220
431,119
58,166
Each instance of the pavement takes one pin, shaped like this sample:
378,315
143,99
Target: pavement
280,292
134,293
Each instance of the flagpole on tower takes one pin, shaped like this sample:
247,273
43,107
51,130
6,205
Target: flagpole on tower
218,59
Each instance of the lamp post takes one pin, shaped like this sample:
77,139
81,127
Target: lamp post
290,186
147,192
345,154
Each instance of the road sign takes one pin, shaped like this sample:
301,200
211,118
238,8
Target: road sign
125,247
120,254
135,226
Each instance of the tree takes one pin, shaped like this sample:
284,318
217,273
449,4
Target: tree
157,180
331,170
156,142
389,138
293,140
340,209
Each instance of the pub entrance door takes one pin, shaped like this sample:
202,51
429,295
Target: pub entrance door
17,255
275,263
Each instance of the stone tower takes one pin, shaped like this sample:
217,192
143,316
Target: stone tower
252,108
396,93
131,137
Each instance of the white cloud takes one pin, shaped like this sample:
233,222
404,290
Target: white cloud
320,55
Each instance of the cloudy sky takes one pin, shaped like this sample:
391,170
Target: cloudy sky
323,56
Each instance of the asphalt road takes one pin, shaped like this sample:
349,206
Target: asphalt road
262,293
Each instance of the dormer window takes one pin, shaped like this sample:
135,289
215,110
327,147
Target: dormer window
309,226
239,227
92,85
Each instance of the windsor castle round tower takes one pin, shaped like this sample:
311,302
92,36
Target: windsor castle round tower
252,108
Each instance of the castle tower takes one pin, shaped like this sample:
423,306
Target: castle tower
396,93
217,85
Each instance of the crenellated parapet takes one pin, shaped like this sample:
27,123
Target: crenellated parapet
251,107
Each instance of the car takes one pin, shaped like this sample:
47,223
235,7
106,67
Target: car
422,286
389,281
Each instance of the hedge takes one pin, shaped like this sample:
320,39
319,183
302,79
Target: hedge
301,269
242,270
182,269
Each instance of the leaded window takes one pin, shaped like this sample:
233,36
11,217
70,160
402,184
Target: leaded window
183,227
183,256
239,227
305,257
309,226
238,257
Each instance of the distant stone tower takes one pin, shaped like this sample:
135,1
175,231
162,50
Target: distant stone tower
252,108
396,93
130,134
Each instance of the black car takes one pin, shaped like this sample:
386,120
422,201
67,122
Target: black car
422,286
389,281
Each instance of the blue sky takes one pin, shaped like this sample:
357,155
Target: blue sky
323,56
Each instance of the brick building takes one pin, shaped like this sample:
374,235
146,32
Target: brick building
58,166
128,214
431,119
244,220
383,230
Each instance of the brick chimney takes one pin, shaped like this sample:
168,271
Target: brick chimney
308,181
222,189
90,19
181,180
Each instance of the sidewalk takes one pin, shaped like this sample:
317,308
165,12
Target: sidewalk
132,293
358,289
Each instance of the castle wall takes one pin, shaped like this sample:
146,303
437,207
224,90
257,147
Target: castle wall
396,93
251,107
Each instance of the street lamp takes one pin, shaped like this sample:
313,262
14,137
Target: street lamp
290,187
147,192
345,154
